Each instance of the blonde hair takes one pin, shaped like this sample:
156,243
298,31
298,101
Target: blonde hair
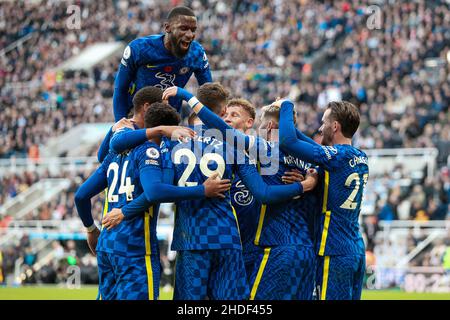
273,112
244,104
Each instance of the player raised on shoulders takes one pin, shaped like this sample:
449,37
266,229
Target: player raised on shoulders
161,60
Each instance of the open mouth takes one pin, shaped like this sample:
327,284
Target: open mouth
185,44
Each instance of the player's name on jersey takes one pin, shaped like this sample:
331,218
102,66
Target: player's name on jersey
290,160
210,140
358,160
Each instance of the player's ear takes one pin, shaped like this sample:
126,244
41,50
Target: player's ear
167,27
145,106
269,126
250,122
336,126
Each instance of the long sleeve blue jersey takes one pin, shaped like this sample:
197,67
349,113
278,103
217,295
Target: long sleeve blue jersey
146,62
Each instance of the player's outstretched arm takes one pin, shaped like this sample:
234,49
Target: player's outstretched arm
91,187
203,74
156,191
271,193
125,76
126,139
304,137
96,183
104,147
120,97
288,135
209,118
133,209
129,139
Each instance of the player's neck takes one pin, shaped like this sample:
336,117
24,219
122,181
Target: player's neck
167,44
340,139
156,140
139,121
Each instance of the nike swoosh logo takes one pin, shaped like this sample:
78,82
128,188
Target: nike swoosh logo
149,66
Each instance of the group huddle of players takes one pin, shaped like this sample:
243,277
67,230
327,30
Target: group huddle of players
271,215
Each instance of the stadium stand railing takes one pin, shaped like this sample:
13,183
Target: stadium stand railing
413,160
77,141
39,193
401,246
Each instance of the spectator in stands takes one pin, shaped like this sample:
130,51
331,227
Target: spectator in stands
389,210
29,257
259,50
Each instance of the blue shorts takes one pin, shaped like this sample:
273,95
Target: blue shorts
284,273
214,274
128,278
340,277
252,260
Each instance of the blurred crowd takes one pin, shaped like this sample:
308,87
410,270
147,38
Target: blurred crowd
312,51
403,102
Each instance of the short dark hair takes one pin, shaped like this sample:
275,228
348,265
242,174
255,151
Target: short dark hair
213,95
161,114
149,94
180,11
347,114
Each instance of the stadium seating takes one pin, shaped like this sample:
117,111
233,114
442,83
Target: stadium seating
314,52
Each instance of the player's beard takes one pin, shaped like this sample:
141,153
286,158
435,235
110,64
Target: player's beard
176,49
326,138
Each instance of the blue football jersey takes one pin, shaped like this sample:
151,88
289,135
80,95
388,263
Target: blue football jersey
137,236
149,63
290,222
345,174
247,210
209,223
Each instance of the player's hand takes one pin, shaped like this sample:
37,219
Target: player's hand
170,92
292,176
278,102
312,177
123,123
92,238
113,218
178,92
177,132
215,187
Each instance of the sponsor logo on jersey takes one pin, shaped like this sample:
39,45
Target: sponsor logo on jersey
166,80
153,162
243,197
327,151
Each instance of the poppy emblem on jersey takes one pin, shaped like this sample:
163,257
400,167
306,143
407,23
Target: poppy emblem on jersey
184,70
168,69
127,52
152,153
